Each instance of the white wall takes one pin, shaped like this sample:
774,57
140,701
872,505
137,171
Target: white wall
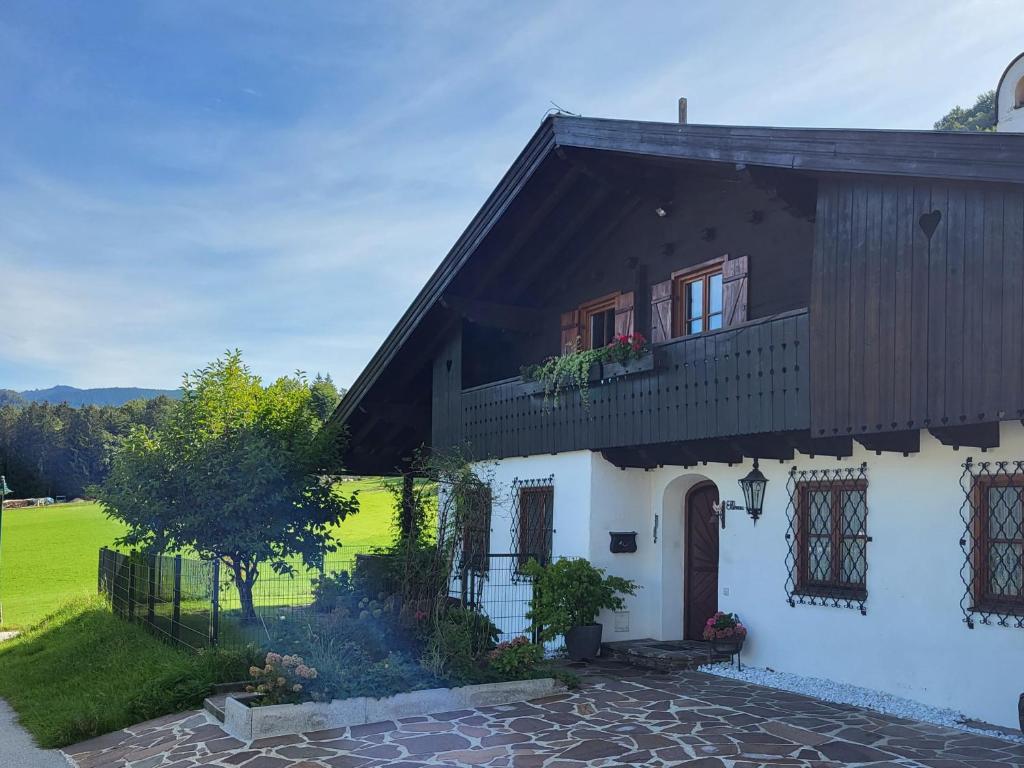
1009,117
912,642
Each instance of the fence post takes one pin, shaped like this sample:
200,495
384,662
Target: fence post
99,572
151,597
131,587
176,615
215,604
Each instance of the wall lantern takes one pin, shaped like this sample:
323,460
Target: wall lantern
753,491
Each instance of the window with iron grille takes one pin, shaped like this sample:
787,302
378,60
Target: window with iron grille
828,537
476,531
533,519
993,542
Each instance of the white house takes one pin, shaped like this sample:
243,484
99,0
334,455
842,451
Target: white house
844,308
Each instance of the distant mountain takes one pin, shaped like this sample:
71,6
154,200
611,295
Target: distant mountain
102,396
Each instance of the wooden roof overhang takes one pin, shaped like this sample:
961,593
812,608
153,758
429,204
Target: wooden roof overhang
557,189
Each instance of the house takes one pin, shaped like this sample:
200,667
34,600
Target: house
842,309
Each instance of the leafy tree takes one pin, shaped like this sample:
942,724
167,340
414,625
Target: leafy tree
237,473
325,397
10,397
980,117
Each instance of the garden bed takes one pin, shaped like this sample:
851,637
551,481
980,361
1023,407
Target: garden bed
247,722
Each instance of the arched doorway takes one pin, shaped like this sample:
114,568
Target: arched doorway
700,563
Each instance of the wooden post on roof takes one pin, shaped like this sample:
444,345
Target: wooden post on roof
682,111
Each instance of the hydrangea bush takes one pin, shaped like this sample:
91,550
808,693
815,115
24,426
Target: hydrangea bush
283,680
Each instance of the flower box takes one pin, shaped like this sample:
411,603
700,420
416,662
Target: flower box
246,722
640,365
598,372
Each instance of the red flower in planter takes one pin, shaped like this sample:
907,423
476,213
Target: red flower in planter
722,626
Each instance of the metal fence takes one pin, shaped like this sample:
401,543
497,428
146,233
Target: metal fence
195,603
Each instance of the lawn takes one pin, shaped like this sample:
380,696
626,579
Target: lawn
83,672
49,554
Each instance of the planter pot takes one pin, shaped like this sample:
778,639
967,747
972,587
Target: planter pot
583,643
614,370
728,645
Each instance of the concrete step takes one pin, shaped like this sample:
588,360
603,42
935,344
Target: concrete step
662,655
215,705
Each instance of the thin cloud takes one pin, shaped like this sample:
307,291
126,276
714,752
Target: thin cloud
224,175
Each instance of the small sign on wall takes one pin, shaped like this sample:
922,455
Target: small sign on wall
622,542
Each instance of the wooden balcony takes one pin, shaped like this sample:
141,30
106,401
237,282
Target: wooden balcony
749,379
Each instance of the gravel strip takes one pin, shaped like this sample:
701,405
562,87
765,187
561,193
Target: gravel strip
843,693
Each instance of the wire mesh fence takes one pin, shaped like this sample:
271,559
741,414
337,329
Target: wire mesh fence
196,603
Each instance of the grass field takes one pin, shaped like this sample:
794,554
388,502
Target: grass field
83,671
49,554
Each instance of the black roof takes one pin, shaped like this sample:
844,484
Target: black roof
967,156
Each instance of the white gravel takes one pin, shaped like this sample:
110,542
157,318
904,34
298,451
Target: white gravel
842,693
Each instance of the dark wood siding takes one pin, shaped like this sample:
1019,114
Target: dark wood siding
745,380
446,400
908,330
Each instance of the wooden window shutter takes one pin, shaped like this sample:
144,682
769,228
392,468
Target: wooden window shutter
661,311
624,314
570,331
734,290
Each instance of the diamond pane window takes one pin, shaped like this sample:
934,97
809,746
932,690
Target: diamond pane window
533,519
475,509
828,537
993,514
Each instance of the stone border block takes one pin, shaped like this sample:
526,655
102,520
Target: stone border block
248,723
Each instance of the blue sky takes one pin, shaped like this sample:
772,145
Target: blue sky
177,178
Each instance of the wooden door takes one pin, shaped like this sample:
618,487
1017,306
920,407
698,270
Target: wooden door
700,598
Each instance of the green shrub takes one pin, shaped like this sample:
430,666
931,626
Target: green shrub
570,593
516,659
458,643
332,591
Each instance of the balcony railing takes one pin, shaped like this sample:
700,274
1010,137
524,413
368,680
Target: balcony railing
744,380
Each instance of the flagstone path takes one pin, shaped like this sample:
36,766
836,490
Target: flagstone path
620,716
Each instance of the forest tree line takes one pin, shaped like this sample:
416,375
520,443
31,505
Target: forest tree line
54,450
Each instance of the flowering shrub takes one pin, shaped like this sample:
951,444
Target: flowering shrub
624,348
283,680
514,659
724,626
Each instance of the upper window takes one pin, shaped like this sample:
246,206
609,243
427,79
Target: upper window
535,523
596,323
999,545
699,300
1018,98
832,538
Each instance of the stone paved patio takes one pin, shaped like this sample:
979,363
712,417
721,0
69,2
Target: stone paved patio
620,716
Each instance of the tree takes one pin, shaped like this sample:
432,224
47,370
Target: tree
325,397
980,117
238,472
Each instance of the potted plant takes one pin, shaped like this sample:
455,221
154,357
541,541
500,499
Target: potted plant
567,597
726,633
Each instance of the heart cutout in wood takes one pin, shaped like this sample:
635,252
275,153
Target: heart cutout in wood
930,222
